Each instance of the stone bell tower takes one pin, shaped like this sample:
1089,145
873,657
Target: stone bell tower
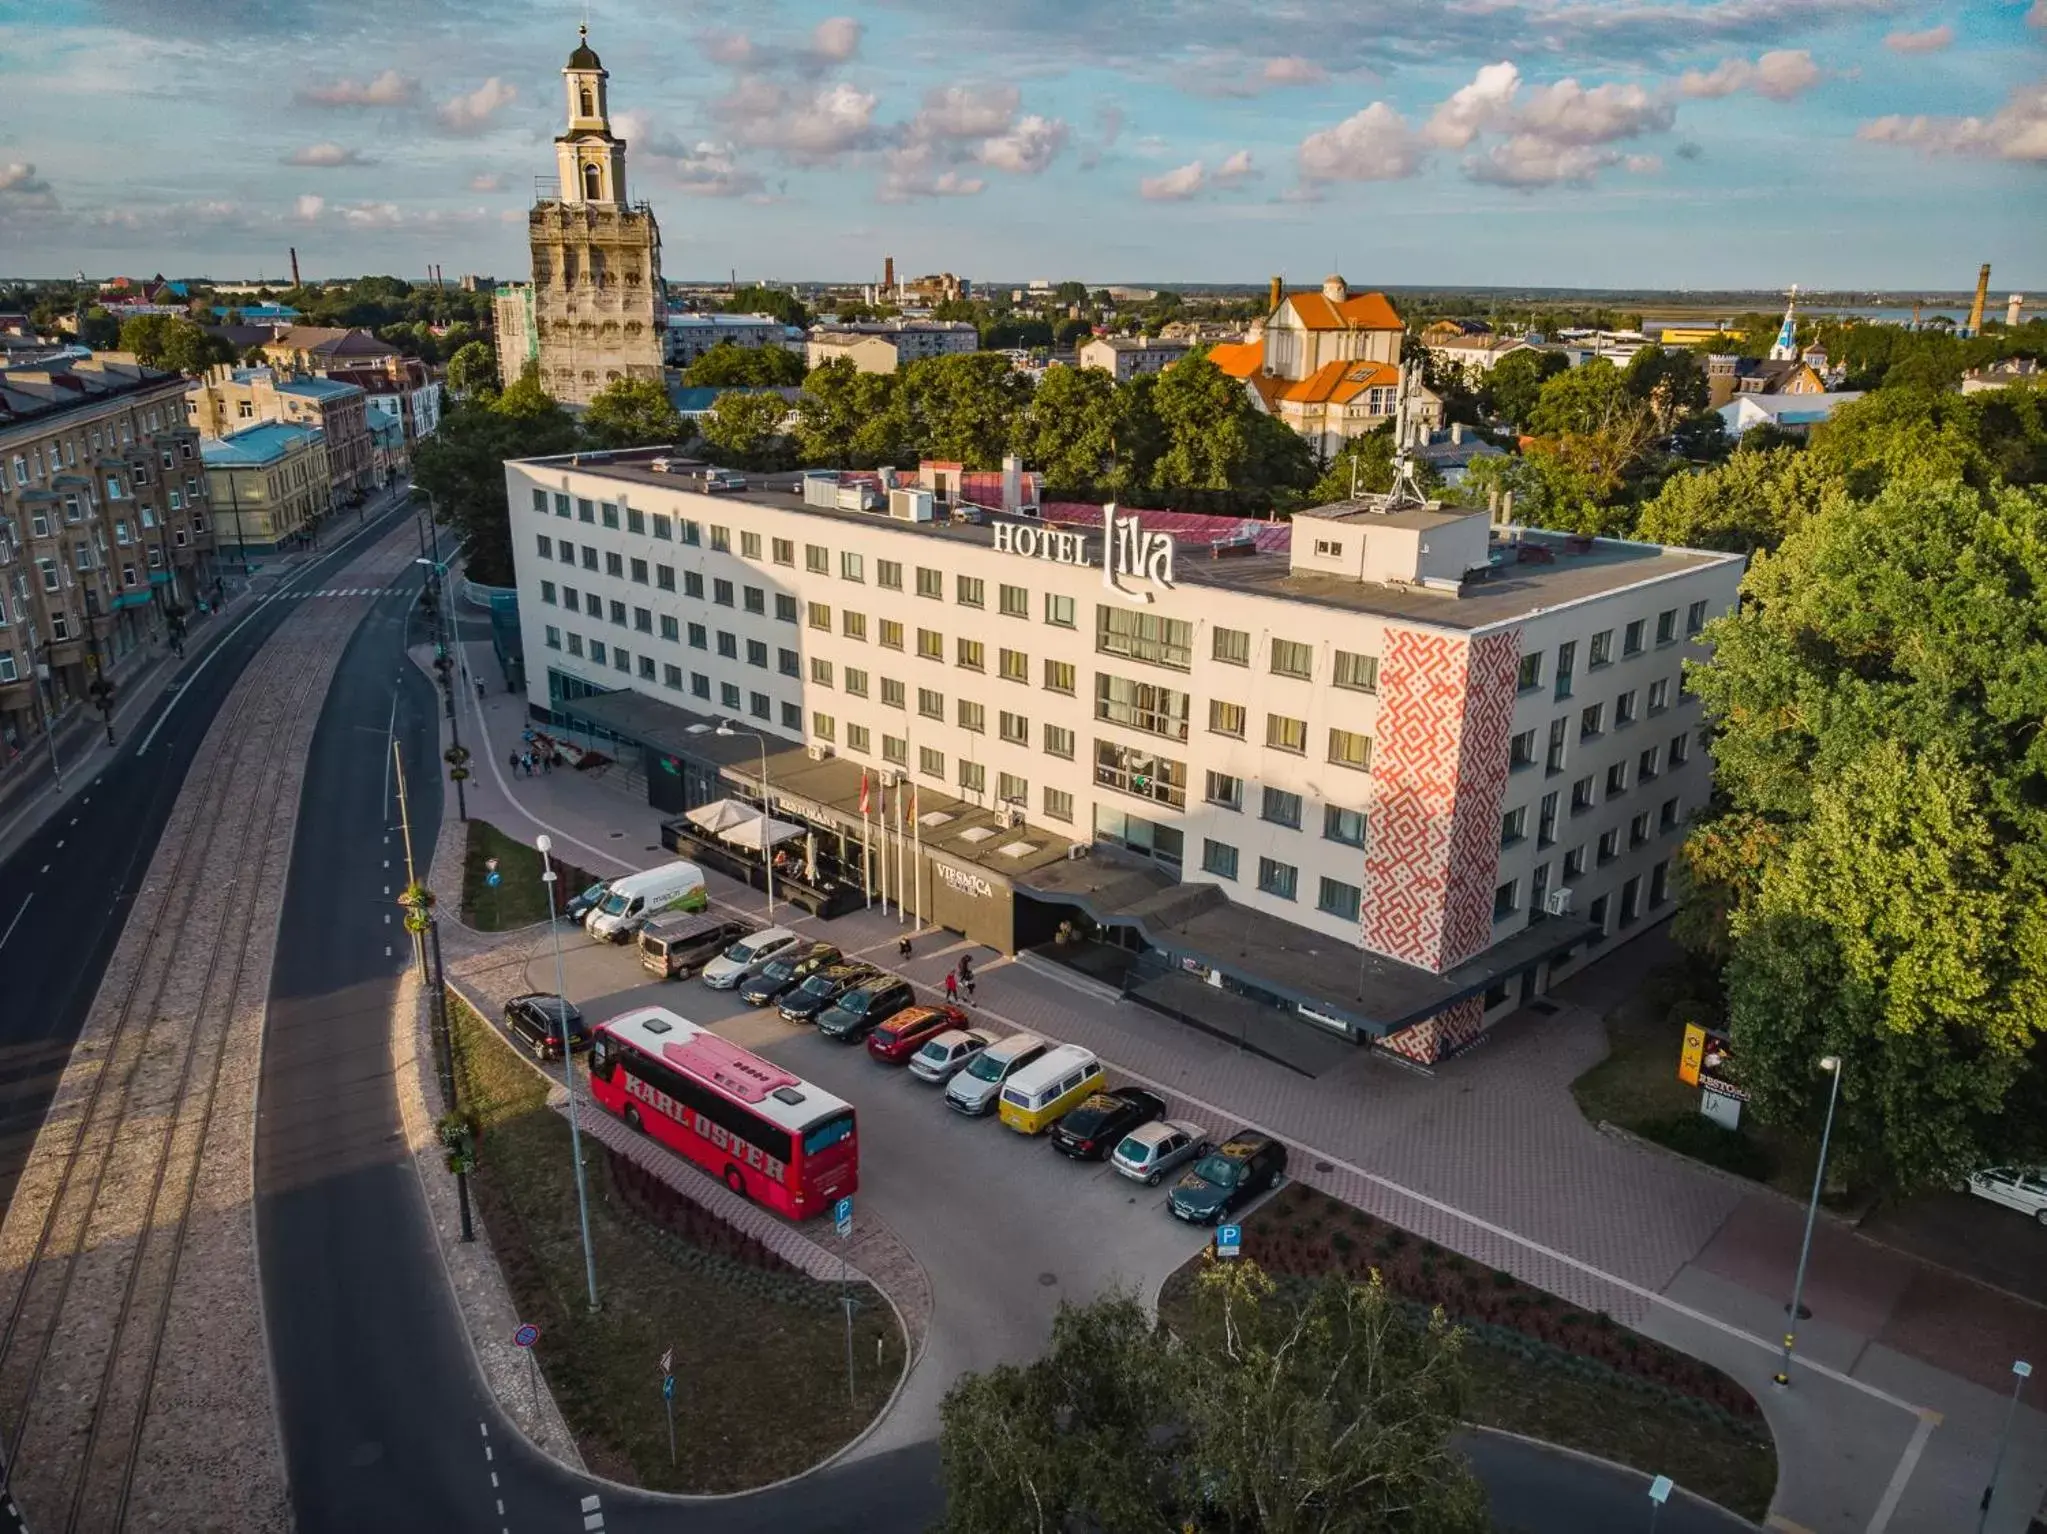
598,304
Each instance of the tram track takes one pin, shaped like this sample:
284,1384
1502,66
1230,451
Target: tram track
138,1145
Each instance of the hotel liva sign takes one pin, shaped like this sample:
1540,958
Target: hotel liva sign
1128,552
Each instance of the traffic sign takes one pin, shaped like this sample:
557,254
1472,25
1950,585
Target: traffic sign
1229,1240
493,878
667,1387
668,1360
842,1216
526,1335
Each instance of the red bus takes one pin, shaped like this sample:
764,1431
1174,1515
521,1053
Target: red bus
770,1135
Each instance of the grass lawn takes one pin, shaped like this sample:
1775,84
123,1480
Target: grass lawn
1538,1365
521,899
760,1349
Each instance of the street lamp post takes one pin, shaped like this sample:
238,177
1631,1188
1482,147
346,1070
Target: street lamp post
1831,1064
444,664
546,845
2021,1372
46,700
767,858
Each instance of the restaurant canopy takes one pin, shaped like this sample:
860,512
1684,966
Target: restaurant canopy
740,824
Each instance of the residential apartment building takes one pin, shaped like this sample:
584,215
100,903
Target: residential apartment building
269,487
688,336
1396,775
229,399
105,533
317,350
882,346
1476,355
1125,357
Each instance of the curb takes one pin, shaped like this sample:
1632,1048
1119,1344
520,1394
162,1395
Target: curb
1602,1463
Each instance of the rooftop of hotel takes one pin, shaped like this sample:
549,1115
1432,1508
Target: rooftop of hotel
1232,553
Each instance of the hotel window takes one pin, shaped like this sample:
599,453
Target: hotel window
1360,673
823,726
547,592
1348,748
1574,863
1659,695
1631,901
664,577
931,762
1514,825
853,625
970,655
646,663
1059,611
1530,675
785,551
664,528
856,681
891,634
639,572
894,750
1144,637
1667,821
1638,830
1695,617
1277,878
1339,899
852,567
1014,728
1281,808
728,695
967,591
817,559
1616,780
1581,795
541,541
699,685
1015,601
643,620
699,636
1645,765
930,644
1546,820
1225,790
671,630
1232,647
856,738
785,605
820,616
1631,638
1218,858
1011,789
1553,761
554,635
792,717
1591,721
1342,825
1680,749
1602,649
1284,734
1015,666
1059,741
788,662
892,693
888,575
610,517
757,654
671,676
973,716
930,704
1666,626
586,510
1290,658
749,543
575,644
728,645
760,705
721,591
820,671
1521,751
1624,709
931,583
539,498
1567,659
693,584
1506,899
1058,805
973,778
1059,676
1226,718
1135,770
1609,846
1141,706
1659,884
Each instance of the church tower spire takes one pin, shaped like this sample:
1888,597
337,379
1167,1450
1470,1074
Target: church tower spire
589,157
1786,349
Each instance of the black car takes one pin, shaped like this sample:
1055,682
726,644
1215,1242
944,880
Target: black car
785,972
807,1000
1228,1178
540,1021
581,905
1097,1126
864,1006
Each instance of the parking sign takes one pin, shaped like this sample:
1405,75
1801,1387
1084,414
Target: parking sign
842,1216
1229,1240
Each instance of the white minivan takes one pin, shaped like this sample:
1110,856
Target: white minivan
631,900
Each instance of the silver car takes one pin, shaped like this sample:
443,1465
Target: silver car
974,1090
745,958
951,1052
1152,1150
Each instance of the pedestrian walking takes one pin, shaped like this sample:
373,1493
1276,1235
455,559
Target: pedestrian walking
902,948
967,977
479,689
952,986
514,760
547,762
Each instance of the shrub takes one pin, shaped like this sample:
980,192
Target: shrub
1502,1279
1342,1243
1694,1135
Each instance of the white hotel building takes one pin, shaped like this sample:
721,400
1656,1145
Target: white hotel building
1394,779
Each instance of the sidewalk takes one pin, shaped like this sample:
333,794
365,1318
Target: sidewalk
1898,1392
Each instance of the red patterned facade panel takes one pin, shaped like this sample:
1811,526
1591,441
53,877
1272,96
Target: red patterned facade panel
1485,737
1437,1038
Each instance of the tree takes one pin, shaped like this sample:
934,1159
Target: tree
1583,399
964,408
1876,701
1325,1413
746,429
462,466
1993,438
1515,383
99,330
1750,502
1670,383
634,412
145,336
1068,431
778,302
473,369
178,345
849,419
726,366
1371,456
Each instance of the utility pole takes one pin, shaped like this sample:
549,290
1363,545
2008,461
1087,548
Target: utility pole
102,688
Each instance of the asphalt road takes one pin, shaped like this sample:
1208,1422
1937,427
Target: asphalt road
66,891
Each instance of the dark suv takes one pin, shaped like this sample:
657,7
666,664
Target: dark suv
786,971
804,1002
1097,1126
540,1022
864,1006
1228,1178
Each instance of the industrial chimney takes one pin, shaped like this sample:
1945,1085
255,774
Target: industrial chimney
888,277
2012,305
294,266
1976,309
1273,294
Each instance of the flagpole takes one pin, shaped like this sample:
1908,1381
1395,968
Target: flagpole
918,915
896,812
866,851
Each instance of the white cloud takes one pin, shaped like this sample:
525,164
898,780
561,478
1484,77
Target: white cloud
809,126
965,112
1932,40
1175,185
1568,113
1237,167
372,215
835,39
735,50
325,156
2017,131
1526,160
1549,134
1643,164
309,207
472,113
487,181
1026,149
22,188
697,169
962,125
1488,102
1293,70
1375,144
1781,75
389,89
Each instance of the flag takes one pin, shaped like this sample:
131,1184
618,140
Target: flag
863,793
913,804
668,1360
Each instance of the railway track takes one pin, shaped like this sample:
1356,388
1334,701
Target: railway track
131,1155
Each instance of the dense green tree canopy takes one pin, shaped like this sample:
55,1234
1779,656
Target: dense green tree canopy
1750,502
726,366
1515,383
473,369
177,345
462,467
964,408
779,302
848,419
1068,431
744,430
634,412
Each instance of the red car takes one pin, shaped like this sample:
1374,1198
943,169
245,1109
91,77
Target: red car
902,1035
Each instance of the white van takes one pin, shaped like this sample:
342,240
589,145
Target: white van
1035,1097
631,900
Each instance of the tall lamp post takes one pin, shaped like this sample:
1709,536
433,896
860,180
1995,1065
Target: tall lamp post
444,664
102,688
1831,1064
2021,1372
545,843
767,856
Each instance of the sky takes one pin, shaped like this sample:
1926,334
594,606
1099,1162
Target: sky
1571,143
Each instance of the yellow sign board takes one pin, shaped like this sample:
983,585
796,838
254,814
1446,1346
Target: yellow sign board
1694,1054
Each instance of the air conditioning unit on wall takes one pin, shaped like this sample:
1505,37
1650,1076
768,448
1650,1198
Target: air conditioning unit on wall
1559,902
1008,816
819,751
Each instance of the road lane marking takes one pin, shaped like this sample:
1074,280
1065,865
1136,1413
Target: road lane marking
1909,1461
17,919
